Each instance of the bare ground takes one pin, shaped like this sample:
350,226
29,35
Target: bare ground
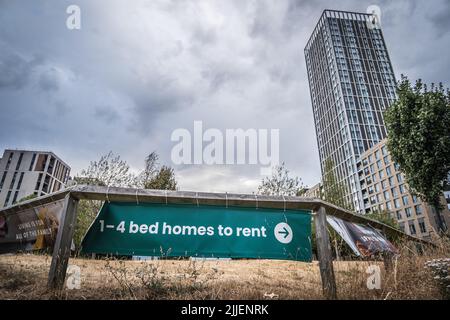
25,276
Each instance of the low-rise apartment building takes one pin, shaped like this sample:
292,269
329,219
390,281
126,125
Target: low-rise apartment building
384,189
24,173
314,192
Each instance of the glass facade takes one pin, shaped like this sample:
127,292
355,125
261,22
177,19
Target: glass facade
351,84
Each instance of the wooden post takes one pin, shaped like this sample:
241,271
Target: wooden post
324,255
336,250
388,261
61,250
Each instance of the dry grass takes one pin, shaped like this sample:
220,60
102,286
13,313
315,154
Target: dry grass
24,277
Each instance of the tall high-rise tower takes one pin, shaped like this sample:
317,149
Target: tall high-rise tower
351,82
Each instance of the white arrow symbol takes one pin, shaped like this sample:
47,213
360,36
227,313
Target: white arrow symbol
283,233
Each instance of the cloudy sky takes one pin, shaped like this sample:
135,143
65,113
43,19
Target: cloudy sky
138,70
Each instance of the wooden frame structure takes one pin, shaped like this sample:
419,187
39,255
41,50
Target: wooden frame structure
71,196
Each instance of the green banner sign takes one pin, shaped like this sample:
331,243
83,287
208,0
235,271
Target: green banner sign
200,231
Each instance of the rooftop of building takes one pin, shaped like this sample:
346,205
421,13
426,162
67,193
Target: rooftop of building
35,151
338,14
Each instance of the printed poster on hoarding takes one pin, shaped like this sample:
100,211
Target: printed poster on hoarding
30,229
364,241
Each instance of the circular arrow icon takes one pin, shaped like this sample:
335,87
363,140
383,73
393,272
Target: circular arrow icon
283,233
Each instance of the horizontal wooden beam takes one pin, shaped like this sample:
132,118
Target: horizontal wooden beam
35,202
118,194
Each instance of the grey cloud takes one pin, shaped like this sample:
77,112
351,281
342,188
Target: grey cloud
15,71
281,74
203,35
107,114
152,101
49,80
441,19
215,79
232,64
297,13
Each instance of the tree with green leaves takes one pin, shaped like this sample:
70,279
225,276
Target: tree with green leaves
155,177
418,125
87,211
150,170
334,191
280,183
164,179
109,171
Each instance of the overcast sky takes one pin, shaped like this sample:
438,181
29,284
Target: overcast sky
137,70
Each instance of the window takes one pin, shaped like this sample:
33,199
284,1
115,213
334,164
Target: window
386,160
418,209
408,212
402,188
399,215
38,183
415,200
15,197
379,164
377,154
7,198
9,161
13,181
412,228
372,200
387,195
391,182
399,178
19,162
381,174
66,175
389,205
384,150
51,165
19,184
3,180
422,226
389,171
41,162
397,203
394,192
401,225
405,200
47,183
32,162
